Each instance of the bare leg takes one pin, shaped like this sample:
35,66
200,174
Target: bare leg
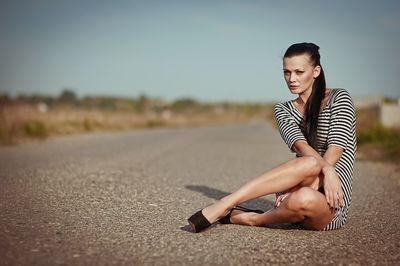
305,205
281,178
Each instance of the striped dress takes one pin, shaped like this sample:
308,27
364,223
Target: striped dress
336,126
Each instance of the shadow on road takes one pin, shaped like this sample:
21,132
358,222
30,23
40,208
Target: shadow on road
259,203
217,194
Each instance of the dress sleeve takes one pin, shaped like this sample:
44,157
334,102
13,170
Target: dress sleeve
341,127
288,128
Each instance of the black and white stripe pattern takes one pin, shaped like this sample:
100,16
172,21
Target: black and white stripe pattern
336,126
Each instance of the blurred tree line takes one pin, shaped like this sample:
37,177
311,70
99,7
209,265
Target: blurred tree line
141,104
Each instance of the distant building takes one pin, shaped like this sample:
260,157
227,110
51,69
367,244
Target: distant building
390,114
42,107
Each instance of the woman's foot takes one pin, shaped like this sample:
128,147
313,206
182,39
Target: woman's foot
207,216
216,211
241,217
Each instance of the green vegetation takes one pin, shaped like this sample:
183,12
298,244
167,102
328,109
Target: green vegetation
381,137
155,123
185,104
378,134
389,100
35,129
374,140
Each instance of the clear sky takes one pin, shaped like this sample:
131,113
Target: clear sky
209,50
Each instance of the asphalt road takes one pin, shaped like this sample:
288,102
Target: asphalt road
123,199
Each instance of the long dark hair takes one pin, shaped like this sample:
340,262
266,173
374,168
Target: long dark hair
313,104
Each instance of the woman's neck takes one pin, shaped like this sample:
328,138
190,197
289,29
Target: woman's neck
303,97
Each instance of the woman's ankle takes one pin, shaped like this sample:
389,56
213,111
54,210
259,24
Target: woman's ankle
228,202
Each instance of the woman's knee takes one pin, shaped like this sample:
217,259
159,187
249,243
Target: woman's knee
310,164
304,199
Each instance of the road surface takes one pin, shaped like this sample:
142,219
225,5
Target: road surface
123,199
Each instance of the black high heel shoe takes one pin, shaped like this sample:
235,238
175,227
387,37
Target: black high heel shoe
227,218
198,222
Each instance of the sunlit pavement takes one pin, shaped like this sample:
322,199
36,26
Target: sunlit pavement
123,198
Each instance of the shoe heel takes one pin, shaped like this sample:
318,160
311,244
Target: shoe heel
198,222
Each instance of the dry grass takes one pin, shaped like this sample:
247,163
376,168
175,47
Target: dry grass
18,122
23,122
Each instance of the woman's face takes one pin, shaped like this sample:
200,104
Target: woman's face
299,74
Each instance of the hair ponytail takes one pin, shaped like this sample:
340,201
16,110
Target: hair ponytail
313,104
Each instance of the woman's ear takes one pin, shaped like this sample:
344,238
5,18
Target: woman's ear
316,71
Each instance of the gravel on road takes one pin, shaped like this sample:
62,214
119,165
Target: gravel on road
123,199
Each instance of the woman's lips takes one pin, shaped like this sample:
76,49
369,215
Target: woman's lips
293,86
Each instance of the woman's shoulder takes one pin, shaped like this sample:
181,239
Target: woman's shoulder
285,104
339,91
282,107
338,94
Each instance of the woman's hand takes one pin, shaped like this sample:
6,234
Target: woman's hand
332,187
316,183
280,198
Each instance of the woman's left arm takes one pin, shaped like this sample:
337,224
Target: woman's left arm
329,178
332,184
340,133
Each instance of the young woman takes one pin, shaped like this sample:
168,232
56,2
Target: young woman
314,189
